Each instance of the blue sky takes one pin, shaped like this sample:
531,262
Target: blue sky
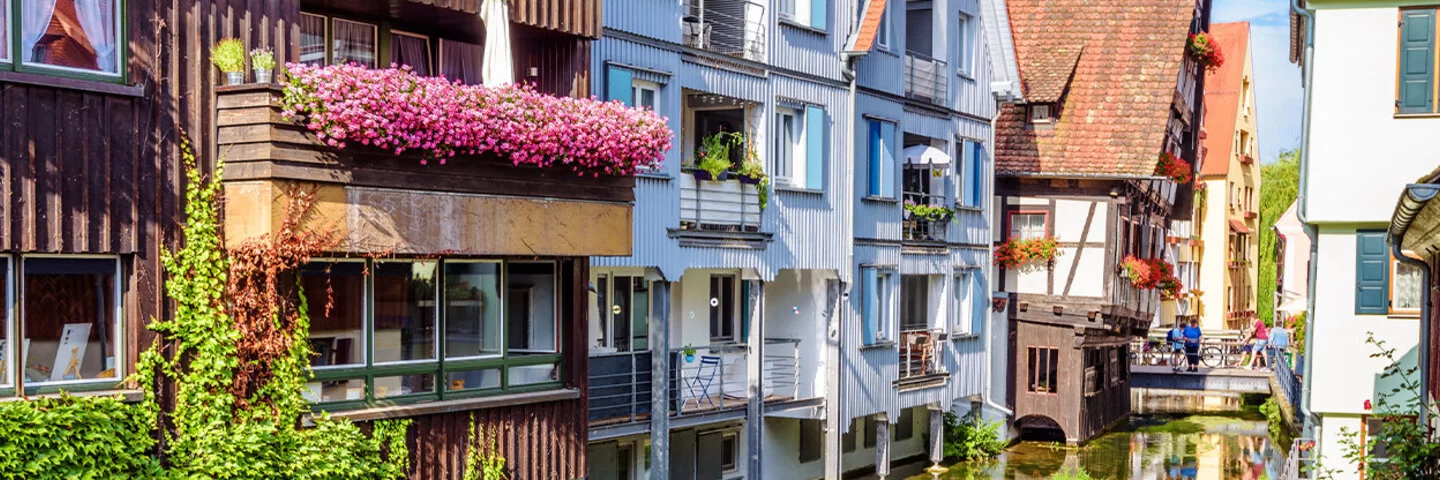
1277,81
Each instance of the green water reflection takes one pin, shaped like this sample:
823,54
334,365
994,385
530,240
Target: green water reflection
1202,447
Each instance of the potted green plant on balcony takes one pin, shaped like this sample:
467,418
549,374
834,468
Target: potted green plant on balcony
689,352
933,213
262,60
714,155
229,57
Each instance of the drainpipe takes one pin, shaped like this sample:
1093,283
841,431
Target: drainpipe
985,390
1307,82
1424,324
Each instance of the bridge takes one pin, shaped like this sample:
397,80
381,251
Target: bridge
1282,382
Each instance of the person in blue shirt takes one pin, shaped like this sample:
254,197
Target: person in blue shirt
1192,346
1177,347
1279,343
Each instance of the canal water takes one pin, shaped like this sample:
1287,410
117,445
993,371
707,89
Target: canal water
1171,436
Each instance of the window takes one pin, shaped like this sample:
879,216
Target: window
799,159
1028,225
960,303
972,171
1094,371
872,430
354,42
875,299
847,440
810,13
411,49
70,37
460,61
789,9
1372,273
905,428
620,312
645,94
881,158
882,33
788,147
812,440
722,308
1377,450
1405,288
379,328
963,44
70,322
1114,368
1041,113
1044,368
1415,94
729,450
915,309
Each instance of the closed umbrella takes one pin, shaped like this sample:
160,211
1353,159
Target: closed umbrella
498,68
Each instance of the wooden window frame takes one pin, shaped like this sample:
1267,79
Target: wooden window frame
15,63
1010,222
1033,373
1364,438
431,48
12,319
1390,290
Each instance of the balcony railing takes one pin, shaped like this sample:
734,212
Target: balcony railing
731,27
925,78
619,388
712,379
920,229
729,205
922,352
782,370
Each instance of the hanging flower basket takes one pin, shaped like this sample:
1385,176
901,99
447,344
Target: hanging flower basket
1016,253
1203,49
1150,273
1174,168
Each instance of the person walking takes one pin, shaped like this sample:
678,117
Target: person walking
1175,339
1279,343
1192,345
1258,349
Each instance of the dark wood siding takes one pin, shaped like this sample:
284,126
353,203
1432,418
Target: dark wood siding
577,17
541,441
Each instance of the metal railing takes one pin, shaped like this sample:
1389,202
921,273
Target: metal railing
925,78
1289,382
782,370
727,205
1290,470
619,388
922,352
711,379
731,27
916,228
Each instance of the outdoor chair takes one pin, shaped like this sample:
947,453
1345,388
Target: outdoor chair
699,385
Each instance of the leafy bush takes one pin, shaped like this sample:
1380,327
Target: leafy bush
1410,451
971,438
229,55
1073,473
76,437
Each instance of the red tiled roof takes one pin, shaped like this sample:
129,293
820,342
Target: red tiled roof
864,38
1127,56
1222,96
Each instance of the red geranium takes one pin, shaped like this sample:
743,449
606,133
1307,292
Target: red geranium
1014,253
1173,167
1149,273
1205,51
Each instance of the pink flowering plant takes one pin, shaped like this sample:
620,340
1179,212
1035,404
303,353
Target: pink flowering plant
398,111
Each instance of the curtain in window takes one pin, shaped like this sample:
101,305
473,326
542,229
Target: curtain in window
97,18
312,40
460,61
411,50
1407,295
354,42
34,21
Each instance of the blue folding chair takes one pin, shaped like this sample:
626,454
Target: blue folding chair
702,381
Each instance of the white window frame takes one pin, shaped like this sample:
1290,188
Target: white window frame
12,330
734,460
961,301
1395,265
798,11
119,326
736,304
790,171
964,45
555,300
504,333
882,33
638,87
436,326
1041,113
888,301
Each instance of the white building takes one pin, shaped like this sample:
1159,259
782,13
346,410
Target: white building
1371,129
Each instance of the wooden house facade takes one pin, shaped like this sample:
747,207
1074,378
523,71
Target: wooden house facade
457,287
1073,169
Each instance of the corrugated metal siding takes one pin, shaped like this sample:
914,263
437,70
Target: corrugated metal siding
971,95
809,51
874,219
540,441
967,367
646,18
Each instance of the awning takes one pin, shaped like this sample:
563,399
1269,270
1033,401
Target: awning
926,155
1238,226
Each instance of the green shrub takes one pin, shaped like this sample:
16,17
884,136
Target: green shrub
970,438
75,437
229,55
1073,473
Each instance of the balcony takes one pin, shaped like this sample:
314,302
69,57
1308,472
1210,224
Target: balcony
1247,160
619,388
727,204
926,78
730,27
922,353
1251,215
916,227
715,378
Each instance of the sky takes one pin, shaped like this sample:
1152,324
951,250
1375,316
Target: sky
1278,94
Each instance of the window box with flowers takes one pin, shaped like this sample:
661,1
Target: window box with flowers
1150,273
1174,168
1031,252
1204,51
926,221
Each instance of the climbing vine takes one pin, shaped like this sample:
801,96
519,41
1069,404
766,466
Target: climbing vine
482,458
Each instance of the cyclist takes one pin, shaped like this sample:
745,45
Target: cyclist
1174,338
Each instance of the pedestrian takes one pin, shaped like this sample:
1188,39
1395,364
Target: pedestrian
1280,343
1257,351
1192,345
1175,339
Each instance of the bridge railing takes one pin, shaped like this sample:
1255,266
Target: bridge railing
1289,382
1219,353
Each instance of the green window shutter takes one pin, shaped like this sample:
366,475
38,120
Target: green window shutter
814,148
618,84
873,160
817,14
869,303
1372,273
1417,61
887,159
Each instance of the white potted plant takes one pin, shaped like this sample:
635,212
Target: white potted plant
262,61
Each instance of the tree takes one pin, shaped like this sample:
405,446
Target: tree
1279,184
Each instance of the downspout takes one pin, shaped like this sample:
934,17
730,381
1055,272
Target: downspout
985,391
1307,82
1424,323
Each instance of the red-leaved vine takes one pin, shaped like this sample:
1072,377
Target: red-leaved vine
398,111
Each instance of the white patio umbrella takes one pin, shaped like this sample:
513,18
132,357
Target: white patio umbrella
926,155
499,67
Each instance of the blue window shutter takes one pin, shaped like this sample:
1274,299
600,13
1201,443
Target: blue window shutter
1417,61
814,148
817,14
980,303
869,303
1372,273
873,159
887,159
618,84
976,186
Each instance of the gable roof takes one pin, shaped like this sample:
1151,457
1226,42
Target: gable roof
1114,64
864,37
1222,96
